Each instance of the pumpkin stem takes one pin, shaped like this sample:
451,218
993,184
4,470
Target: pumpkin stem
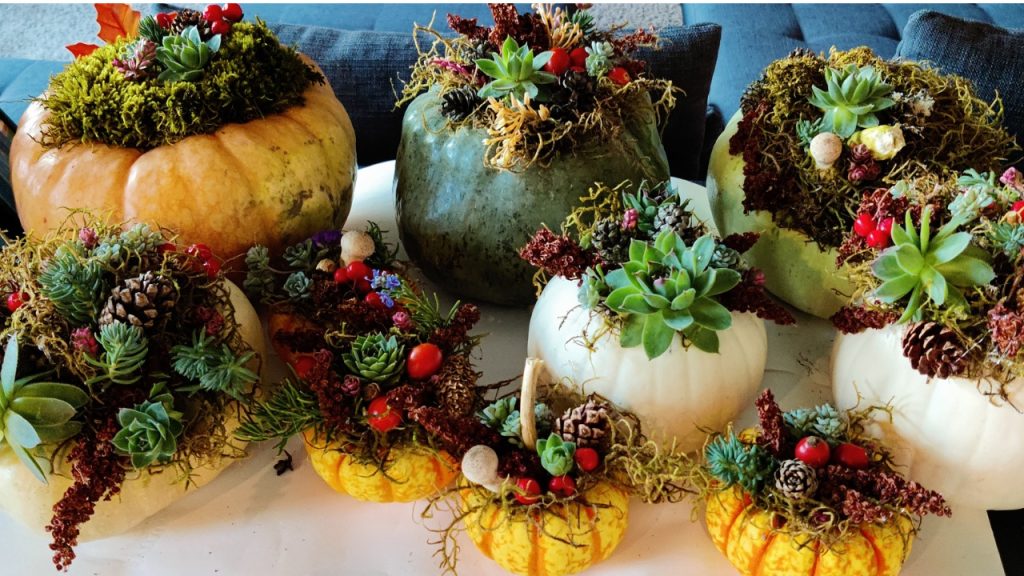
527,398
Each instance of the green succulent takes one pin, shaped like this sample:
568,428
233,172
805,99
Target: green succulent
516,71
806,130
215,368
74,283
512,427
929,268
556,455
124,354
495,414
1009,238
734,462
35,413
185,56
297,285
599,58
667,288
823,421
376,358
259,278
585,20
149,431
150,30
851,99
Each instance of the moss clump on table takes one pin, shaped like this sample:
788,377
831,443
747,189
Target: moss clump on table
252,76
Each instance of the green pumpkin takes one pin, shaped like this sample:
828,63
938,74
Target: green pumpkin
463,222
797,270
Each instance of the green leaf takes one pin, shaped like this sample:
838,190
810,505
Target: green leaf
30,462
637,304
656,301
892,290
637,249
886,267
43,411
540,60
618,296
509,47
9,369
909,259
935,284
632,331
490,68
726,279
617,278
665,242
703,249
657,336
955,298
926,232
73,395
58,432
703,339
844,122
677,320
967,271
515,71
913,305
899,234
684,299
945,249
19,430
710,314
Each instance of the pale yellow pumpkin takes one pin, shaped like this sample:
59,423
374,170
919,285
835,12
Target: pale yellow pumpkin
744,533
533,547
273,181
412,472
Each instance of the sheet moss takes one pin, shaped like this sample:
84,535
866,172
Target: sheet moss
252,76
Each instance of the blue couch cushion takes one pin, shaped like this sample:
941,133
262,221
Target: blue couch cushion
989,56
22,80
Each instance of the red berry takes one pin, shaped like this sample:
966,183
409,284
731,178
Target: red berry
864,224
212,268
201,251
529,491
213,13
563,486
303,365
165,19
877,239
885,226
358,271
587,459
167,247
382,417
233,12
1018,207
363,286
578,57
851,456
812,451
578,69
559,62
424,361
340,276
619,75
373,299
16,299
220,27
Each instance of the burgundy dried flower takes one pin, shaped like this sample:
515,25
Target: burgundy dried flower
1007,327
557,255
88,237
750,296
854,319
864,172
741,242
630,219
84,340
773,427
457,434
351,385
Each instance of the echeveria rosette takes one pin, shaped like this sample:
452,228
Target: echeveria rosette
32,414
185,56
149,432
851,99
667,288
377,358
929,268
516,71
556,455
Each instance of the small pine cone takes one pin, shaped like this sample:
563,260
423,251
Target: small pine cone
579,87
140,301
458,104
456,386
672,216
934,350
611,241
586,424
188,17
796,480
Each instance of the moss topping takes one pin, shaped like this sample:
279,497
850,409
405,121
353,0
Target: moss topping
252,76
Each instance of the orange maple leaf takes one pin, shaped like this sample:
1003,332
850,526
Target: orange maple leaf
116,21
81,49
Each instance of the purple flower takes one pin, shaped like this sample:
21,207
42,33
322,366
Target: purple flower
630,218
387,299
83,339
326,237
1013,178
88,237
384,281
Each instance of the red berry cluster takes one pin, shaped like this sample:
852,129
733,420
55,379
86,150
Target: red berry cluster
221,18
16,299
529,491
816,453
207,262
563,61
875,233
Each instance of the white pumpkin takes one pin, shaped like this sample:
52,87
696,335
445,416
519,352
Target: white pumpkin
945,433
797,270
676,393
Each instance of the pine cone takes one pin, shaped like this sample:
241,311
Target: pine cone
140,301
458,104
188,17
672,216
586,425
611,241
456,386
796,480
934,350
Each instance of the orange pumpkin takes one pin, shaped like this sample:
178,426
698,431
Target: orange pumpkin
744,533
272,181
539,546
412,472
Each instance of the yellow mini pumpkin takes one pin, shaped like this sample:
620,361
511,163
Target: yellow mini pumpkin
538,545
747,536
412,472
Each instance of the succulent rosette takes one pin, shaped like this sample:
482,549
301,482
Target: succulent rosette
381,372
815,133
809,492
124,359
641,290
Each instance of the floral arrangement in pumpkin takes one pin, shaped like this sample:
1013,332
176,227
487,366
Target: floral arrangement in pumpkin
380,368
950,271
538,83
825,491
122,356
547,478
818,131
651,268
165,77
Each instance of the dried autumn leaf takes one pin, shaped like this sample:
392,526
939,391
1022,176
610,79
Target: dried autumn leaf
116,21
81,49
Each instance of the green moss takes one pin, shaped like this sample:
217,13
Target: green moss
252,76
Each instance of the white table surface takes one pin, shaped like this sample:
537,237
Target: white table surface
251,521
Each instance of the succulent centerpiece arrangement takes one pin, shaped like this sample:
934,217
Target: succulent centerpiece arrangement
547,477
125,358
815,133
648,308
938,309
809,492
506,126
380,369
193,120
